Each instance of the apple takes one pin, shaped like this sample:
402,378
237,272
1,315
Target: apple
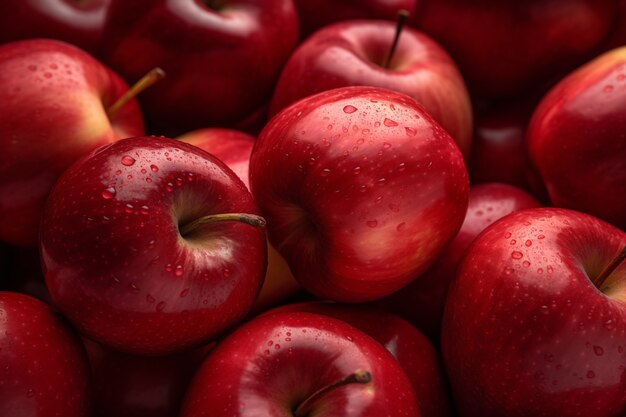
416,356
222,57
357,53
506,48
577,139
422,301
78,22
361,190
299,364
43,368
53,101
234,149
151,246
535,321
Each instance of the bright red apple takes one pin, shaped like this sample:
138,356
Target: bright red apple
53,109
222,57
296,365
577,139
422,301
535,322
43,367
361,190
356,53
145,248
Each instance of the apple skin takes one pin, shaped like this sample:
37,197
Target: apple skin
526,332
415,354
361,190
116,263
576,139
231,59
234,149
270,365
422,302
44,367
353,53
554,35
74,21
53,101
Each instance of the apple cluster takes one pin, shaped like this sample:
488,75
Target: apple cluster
298,208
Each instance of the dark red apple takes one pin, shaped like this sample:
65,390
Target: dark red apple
296,365
43,367
145,249
361,189
535,322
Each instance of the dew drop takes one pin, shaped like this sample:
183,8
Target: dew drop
128,160
133,288
507,235
372,223
129,208
389,123
145,210
47,75
169,187
394,207
528,243
349,109
169,268
386,145
356,170
161,306
179,270
184,293
376,124
608,324
148,180
410,131
598,350
525,264
400,227
508,270
150,299
154,168
109,193
516,255
276,346
607,88
30,393
270,343
325,172
591,374
540,237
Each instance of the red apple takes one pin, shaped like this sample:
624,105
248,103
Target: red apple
43,367
577,139
78,22
234,149
361,189
53,100
412,350
297,365
422,301
222,57
356,52
505,48
535,322
144,247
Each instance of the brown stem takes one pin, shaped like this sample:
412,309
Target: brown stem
609,269
403,16
251,219
357,377
146,81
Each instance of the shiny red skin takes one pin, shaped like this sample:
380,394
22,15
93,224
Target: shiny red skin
53,100
221,65
415,354
140,386
505,48
422,301
526,332
353,53
270,365
74,21
577,139
361,189
44,369
117,266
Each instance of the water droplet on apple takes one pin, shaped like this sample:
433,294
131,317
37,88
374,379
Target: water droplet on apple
528,243
608,88
517,255
507,235
150,299
525,264
161,306
540,237
325,172
169,187
540,270
394,207
30,393
226,272
591,374
513,242
154,168
386,145
109,193
128,160
276,346
376,124
184,293
145,210
356,170
400,227
372,223
47,75
545,309
179,270
349,109
133,288
508,270
129,208
609,325
349,338
410,131
390,123
598,350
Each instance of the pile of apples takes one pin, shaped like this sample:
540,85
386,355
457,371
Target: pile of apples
298,208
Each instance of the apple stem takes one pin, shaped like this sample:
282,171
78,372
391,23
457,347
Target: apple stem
357,377
609,270
251,219
403,16
146,81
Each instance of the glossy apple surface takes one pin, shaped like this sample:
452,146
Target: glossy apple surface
119,258
361,189
43,367
577,142
530,327
53,109
271,365
422,301
232,55
506,48
355,52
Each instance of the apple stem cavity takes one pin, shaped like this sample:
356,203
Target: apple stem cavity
251,219
357,377
145,82
403,16
602,277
